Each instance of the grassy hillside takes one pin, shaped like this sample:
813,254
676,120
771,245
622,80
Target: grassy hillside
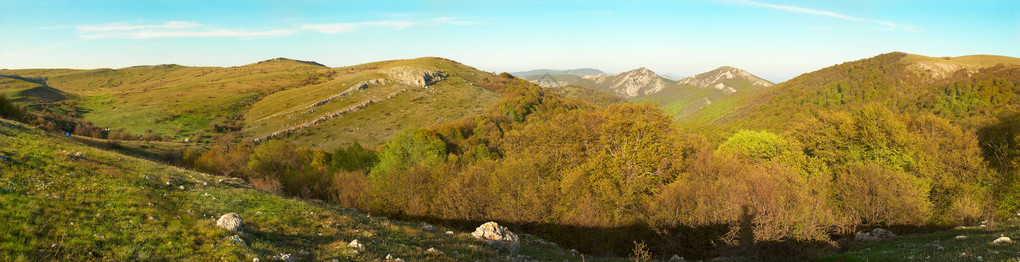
967,93
173,99
588,95
378,110
108,206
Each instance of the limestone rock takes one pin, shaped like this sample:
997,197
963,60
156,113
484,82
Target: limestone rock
434,251
231,221
355,245
498,236
677,258
875,234
236,239
1002,240
427,227
283,257
414,76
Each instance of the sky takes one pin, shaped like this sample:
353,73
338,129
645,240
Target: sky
774,39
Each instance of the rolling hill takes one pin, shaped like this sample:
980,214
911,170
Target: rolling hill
300,101
173,99
966,90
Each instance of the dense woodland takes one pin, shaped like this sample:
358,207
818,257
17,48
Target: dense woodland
538,158
868,147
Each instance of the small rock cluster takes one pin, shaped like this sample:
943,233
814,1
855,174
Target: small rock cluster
875,234
498,236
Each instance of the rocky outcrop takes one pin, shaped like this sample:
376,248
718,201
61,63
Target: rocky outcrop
497,236
356,87
414,76
875,234
230,221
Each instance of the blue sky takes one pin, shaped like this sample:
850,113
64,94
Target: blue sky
774,39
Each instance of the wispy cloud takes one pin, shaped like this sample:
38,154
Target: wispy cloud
180,29
126,26
391,24
888,25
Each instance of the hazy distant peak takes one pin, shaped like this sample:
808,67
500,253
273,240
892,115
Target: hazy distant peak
725,78
574,72
282,59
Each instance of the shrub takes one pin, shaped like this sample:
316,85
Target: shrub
9,110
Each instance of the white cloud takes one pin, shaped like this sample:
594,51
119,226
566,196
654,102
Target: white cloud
127,27
146,34
179,29
795,9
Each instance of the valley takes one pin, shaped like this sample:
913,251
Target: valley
722,164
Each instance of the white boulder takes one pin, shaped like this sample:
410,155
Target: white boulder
230,221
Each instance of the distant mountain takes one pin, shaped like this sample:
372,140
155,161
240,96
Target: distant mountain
571,72
631,84
680,98
723,85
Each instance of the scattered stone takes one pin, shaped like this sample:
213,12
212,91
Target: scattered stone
355,245
237,240
304,253
875,234
427,227
498,236
980,259
180,187
230,221
283,257
960,237
449,232
434,251
574,252
255,260
1002,240
677,258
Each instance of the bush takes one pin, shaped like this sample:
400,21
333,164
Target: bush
9,110
353,157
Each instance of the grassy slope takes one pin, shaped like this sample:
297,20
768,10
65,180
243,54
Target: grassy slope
448,100
26,92
885,79
966,61
110,206
588,95
170,97
925,247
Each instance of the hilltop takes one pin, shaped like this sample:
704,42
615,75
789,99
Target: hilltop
967,90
